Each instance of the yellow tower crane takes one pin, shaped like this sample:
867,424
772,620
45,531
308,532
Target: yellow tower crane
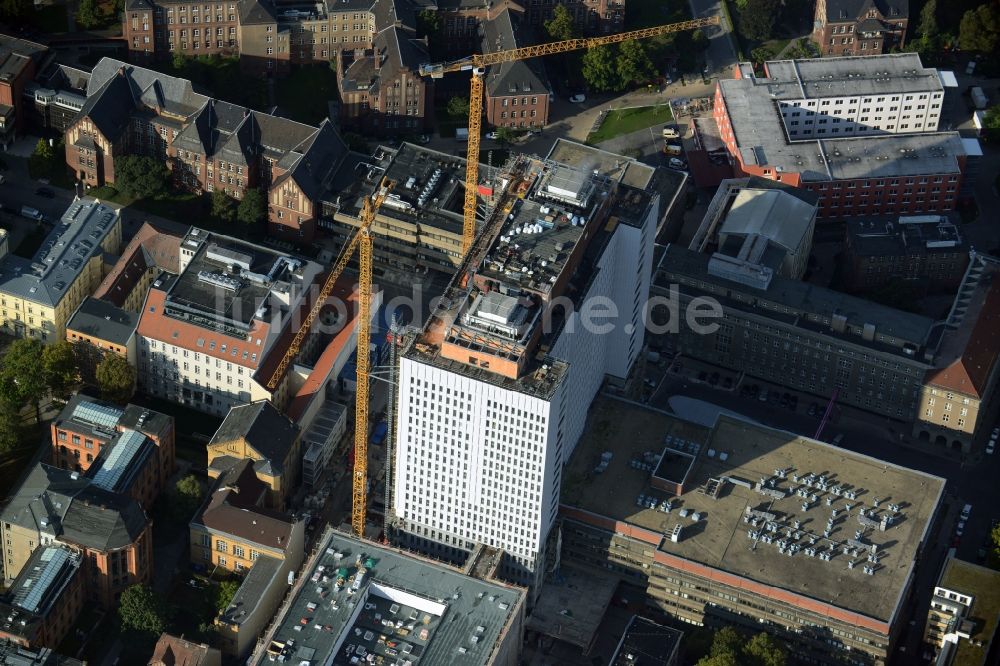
478,63
362,241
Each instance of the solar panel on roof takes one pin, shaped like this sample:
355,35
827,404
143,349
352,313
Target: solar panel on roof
54,559
100,415
119,459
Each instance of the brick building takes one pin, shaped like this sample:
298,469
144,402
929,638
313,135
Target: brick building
516,94
208,144
98,328
927,252
111,532
590,16
861,133
20,61
44,601
152,250
860,27
85,427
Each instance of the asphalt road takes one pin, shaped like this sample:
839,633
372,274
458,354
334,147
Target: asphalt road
970,479
721,54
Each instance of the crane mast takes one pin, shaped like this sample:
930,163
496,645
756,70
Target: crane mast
478,63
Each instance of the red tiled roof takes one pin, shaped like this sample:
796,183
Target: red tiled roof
313,386
174,651
970,373
151,246
155,326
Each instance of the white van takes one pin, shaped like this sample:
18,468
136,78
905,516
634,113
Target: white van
670,132
31,213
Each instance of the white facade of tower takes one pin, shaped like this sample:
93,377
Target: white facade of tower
477,462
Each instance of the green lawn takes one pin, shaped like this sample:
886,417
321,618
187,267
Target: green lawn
624,121
305,93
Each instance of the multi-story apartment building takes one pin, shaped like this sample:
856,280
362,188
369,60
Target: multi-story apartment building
152,250
741,524
39,295
258,432
20,61
516,94
861,133
98,328
208,145
964,614
383,92
111,532
85,427
213,336
57,94
373,586
493,393
850,28
927,252
44,601
233,528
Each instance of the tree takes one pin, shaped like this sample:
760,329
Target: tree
14,9
761,54
428,23
143,610
188,497
928,26
10,426
88,15
224,594
764,650
116,378
252,209
140,177
730,648
505,135
458,107
20,380
633,63
980,29
757,20
41,159
223,206
599,68
179,62
995,534
991,124
561,26
59,367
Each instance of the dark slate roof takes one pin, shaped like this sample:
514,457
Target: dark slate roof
512,78
233,508
399,51
313,164
103,320
362,74
254,12
263,427
109,105
74,510
848,10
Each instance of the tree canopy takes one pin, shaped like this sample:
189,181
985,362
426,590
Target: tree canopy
115,378
252,209
730,648
14,9
223,206
140,176
10,426
143,610
458,107
88,15
22,379
188,496
224,594
599,68
634,64
991,123
980,29
561,26
59,366
757,19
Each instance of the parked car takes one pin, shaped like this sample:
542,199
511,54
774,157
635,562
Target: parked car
763,396
960,528
812,409
578,98
676,163
493,135
991,447
670,132
966,510
45,193
31,213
